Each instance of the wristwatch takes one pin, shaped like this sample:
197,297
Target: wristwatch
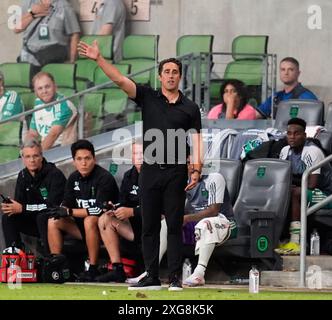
31,13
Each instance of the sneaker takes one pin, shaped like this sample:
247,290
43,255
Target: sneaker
117,275
137,279
147,283
175,284
194,281
289,249
88,276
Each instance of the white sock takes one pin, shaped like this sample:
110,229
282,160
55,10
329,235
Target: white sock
205,253
294,230
163,239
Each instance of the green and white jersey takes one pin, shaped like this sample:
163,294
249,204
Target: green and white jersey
61,114
10,104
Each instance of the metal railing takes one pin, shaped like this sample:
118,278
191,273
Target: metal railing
305,211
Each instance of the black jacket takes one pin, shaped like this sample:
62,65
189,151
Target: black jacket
90,192
129,191
42,191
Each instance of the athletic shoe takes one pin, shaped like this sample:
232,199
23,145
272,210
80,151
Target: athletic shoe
147,283
194,281
88,276
289,249
117,275
137,279
175,284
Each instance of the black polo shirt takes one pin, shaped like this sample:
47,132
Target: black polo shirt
158,113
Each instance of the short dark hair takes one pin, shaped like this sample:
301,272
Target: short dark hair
240,88
298,121
291,60
173,60
82,144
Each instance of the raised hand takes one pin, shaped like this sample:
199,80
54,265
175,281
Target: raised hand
91,52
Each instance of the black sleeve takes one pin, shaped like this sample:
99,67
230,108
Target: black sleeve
140,94
69,199
57,189
123,199
107,190
196,122
137,211
20,192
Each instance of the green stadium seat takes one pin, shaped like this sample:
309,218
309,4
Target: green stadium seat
85,67
65,78
115,98
9,140
141,52
195,43
17,76
93,107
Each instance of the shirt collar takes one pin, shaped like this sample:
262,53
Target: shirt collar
179,100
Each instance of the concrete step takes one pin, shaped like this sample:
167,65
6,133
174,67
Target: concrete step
292,263
314,280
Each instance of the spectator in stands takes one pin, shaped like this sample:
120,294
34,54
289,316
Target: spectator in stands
10,102
289,70
40,185
208,216
234,103
50,32
86,191
303,153
125,221
163,176
110,19
57,124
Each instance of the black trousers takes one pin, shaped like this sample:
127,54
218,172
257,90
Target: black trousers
34,224
162,192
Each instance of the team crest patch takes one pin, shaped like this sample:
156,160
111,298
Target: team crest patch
77,186
113,169
205,193
43,192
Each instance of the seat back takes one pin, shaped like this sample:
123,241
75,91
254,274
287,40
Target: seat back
17,76
117,167
325,138
115,98
265,187
93,113
231,171
248,71
64,74
9,140
328,118
249,44
194,43
140,52
105,44
312,111
141,46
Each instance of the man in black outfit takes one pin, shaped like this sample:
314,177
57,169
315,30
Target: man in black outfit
87,189
40,185
125,221
163,177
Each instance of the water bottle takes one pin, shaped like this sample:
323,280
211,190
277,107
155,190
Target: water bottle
186,269
253,280
314,243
